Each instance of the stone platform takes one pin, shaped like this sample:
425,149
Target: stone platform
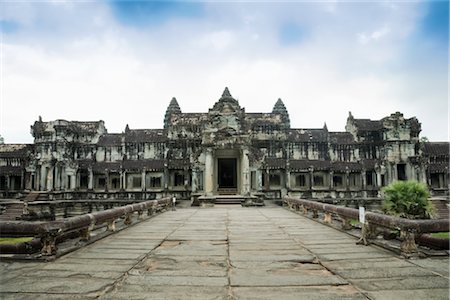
228,252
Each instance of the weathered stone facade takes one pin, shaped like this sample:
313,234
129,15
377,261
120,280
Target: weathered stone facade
224,151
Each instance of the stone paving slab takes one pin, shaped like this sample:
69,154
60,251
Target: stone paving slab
227,253
295,293
428,294
136,292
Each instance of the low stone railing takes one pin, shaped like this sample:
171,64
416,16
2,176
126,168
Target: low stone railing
49,234
374,222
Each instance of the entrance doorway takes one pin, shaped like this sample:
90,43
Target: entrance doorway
227,175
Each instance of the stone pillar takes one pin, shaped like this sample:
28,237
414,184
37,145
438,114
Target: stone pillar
331,174
347,180
259,183
121,179
288,178
8,182
50,179
209,172
91,179
43,179
73,181
124,180
378,179
364,180
194,181
106,180
266,180
311,178
57,178
143,179
245,168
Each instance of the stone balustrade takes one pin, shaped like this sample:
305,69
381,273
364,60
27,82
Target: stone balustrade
374,224
49,234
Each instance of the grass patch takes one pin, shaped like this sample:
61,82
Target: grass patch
444,235
13,241
354,222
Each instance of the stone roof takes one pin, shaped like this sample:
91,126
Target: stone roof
437,149
368,125
101,167
145,136
148,164
14,150
307,135
179,163
324,165
112,139
438,168
275,163
341,138
11,170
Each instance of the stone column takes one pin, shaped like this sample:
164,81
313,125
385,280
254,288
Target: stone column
245,168
91,179
311,178
194,181
73,179
50,179
347,180
143,179
124,180
209,172
259,183
378,179
43,179
331,174
57,178
8,182
106,180
121,179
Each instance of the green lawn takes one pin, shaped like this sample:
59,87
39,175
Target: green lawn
441,234
15,240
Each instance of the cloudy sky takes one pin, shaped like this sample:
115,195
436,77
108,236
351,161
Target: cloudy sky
122,62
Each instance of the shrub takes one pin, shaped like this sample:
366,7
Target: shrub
407,199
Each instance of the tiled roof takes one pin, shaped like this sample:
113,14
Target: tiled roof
341,138
275,163
178,163
14,150
437,149
438,168
145,136
304,164
113,139
11,170
148,164
103,166
307,135
368,125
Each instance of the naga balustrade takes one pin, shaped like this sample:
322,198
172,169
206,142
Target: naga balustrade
409,229
48,234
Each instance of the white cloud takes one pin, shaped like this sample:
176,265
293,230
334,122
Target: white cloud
92,67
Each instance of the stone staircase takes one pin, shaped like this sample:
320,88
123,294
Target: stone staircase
441,208
229,199
12,212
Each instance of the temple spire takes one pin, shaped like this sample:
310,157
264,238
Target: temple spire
173,108
279,108
226,93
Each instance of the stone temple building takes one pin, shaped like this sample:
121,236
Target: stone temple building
225,151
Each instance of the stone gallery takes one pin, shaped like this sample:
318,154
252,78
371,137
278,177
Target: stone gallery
225,151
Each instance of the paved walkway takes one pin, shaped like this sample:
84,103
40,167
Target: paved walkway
228,253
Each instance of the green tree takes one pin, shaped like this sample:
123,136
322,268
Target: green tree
407,199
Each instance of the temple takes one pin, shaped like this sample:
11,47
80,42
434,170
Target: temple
225,151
